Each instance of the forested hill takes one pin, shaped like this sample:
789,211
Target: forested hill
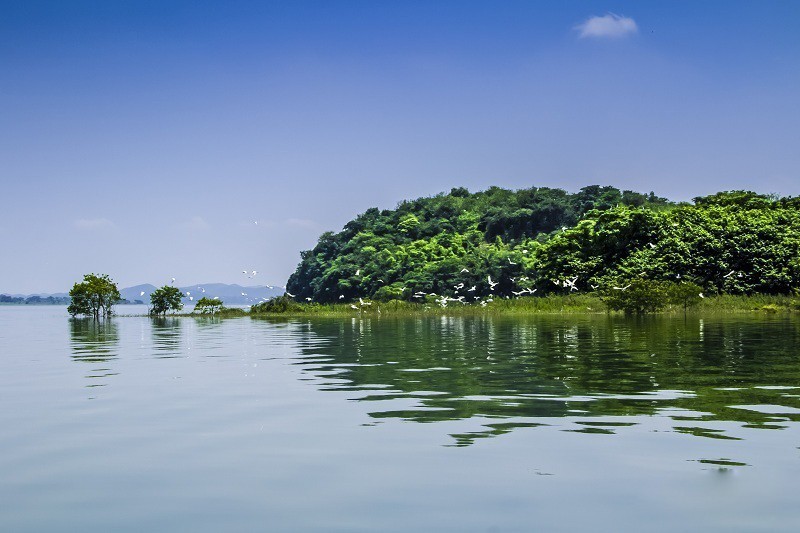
452,244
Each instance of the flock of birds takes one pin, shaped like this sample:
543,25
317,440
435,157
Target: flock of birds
443,300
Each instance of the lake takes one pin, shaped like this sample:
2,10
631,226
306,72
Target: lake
540,423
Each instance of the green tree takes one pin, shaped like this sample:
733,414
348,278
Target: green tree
95,296
685,294
208,306
637,296
166,298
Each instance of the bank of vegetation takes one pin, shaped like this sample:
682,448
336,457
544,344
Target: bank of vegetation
500,244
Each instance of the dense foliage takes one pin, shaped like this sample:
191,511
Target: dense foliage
166,298
208,306
512,243
427,244
95,296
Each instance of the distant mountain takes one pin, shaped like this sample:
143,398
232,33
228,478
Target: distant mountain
229,294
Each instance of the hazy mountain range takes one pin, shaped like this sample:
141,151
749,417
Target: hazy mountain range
229,294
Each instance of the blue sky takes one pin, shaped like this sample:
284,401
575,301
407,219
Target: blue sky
144,139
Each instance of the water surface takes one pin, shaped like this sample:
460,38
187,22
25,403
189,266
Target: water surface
555,423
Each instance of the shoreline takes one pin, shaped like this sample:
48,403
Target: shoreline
548,305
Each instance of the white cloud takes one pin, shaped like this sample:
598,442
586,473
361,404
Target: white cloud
609,25
94,223
195,223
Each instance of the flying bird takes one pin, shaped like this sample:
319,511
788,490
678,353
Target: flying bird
289,294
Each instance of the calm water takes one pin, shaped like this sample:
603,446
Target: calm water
454,424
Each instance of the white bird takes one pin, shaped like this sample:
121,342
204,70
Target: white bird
188,293
379,279
216,297
651,245
141,293
203,290
491,283
191,298
524,251
510,262
255,272
472,289
341,296
464,270
255,222
289,294
622,288
358,272
244,294
173,280
729,274
308,298
701,295
459,286
594,287
353,306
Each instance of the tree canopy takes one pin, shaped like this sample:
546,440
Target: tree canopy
95,296
505,243
166,298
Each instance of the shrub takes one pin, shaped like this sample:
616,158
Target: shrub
638,296
279,304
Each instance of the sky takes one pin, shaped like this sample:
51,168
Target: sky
145,139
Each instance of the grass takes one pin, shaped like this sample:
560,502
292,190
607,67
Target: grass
553,304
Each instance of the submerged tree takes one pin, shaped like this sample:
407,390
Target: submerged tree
94,296
208,306
166,298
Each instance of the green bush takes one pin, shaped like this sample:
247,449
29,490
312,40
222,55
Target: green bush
279,304
637,296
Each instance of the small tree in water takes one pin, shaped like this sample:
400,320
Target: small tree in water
638,296
95,296
166,298
208,306
685,294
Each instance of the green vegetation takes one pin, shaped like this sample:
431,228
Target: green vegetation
94,297
215,307
34,300
166,298
648,296
500,243
208,306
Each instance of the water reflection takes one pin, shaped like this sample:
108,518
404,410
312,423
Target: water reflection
92,340
530,371
167,334
95,342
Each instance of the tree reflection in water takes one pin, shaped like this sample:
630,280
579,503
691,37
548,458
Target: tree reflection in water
528,371
95,342
167,333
